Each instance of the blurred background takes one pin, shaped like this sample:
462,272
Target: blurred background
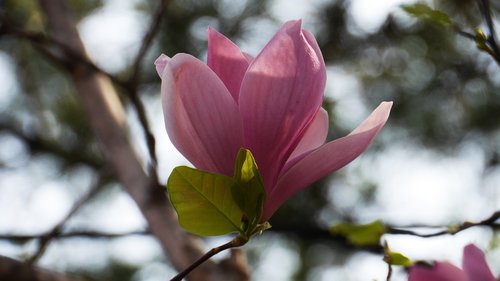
436,163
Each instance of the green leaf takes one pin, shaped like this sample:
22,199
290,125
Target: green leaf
360,235
395,258
248,190
424,12
482,40
204,202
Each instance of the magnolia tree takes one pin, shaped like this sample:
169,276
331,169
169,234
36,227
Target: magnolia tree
255,129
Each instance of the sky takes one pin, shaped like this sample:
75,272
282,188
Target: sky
417,184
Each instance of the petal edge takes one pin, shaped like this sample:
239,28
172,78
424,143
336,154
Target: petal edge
326,159
227,61
281,92
201,117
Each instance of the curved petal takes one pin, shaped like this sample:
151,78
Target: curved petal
326,159
280,94
314,136
160,64
475,266
441,271
201,117
227,61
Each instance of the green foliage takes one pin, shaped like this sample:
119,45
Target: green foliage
248,190
211,204
360,234
424,12
204,202
84,7
25,12
395,258
482,42
28,11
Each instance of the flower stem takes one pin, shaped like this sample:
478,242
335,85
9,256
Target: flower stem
236,242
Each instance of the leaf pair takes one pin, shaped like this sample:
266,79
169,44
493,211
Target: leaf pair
211,204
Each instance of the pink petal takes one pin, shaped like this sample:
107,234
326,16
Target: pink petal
441,271
227,60
160,64
315,134
475,266
326,159
280,94
248,57
201,117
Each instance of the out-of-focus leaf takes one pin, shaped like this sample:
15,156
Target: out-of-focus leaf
482,41
424,12
360,234
204,202
395,258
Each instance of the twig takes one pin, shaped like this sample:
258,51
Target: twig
134,78
236,242
389,272
148,38
37,143
484,6
47,238
73,234
465,34
50,47
63,55
491,221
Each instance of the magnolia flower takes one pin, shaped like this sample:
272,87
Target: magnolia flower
474,267
270,104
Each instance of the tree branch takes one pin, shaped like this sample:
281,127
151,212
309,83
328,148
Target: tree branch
73,234
57,50
107,118
36,144
133,82
148,38
47,238
484,6
451,230
13,270
236,242
66,57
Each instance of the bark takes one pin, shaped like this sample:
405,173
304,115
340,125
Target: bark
107,117
13,270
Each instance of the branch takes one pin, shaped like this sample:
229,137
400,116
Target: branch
107,117
66,57
465,34
236,242
148,38
490,222
47,238
308,231
37,143
54,49
134,81
484,6
73,234
236,260
11,269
